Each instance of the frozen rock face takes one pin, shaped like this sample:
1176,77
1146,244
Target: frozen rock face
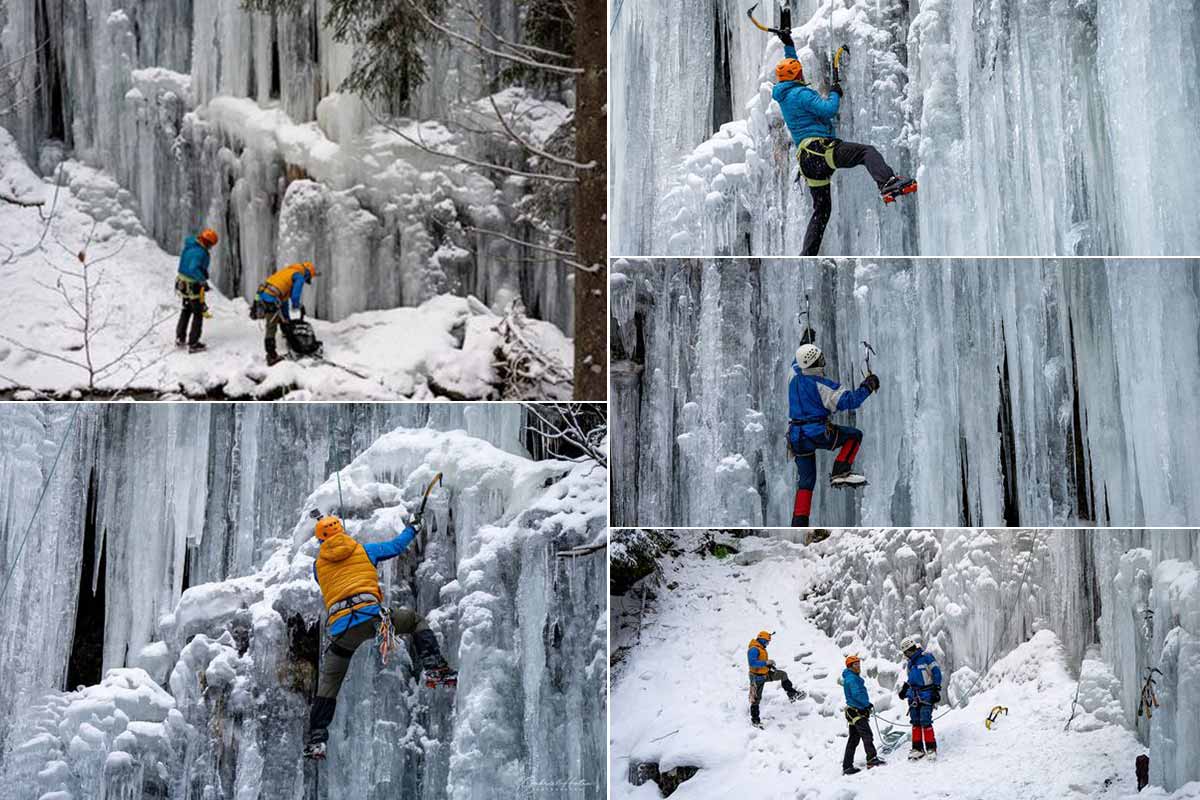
1013,392
1027,124
212,116
205,512
973,596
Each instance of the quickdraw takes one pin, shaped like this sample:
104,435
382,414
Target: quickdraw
1149,699
385,638
994,715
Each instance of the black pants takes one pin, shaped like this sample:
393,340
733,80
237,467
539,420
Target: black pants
860,731
193,309
845,155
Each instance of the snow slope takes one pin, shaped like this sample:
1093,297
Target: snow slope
443,347
1013,392
208,696
680,700
1025,123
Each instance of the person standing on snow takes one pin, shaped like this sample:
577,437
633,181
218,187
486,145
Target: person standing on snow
809,118
811,399
279,293
345,571
858,717
191,284
762,670
923,691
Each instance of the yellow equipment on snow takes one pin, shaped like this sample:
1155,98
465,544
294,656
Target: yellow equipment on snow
992,717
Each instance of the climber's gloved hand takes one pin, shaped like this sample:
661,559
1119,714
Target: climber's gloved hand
836,88
771,663
416,522
903,692
936,697
785,36
871,383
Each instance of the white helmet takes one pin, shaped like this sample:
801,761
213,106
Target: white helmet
807,355
910,643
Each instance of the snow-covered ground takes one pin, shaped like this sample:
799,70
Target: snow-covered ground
679,690
207,684
445,347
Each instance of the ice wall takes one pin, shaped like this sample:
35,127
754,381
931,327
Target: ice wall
975,595
212,116
1013,392
1025,123
238,655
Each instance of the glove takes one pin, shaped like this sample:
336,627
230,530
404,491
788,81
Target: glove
837,87
771,663
871,382
207,286
904,692
416,522
937,695
785,36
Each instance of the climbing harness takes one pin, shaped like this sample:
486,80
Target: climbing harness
192,290
805,148
994,715
1149,698
385,637
853,715
42,496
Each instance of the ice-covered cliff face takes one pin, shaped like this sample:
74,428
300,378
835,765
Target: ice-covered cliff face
1057,128
1013,392
974,596
209,115
209,627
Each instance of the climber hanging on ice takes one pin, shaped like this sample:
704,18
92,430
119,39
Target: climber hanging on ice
923,691
191,284
858,718
820,153
811,399
277,296
345,571
762,670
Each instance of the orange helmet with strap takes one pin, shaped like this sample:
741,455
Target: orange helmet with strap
208,238
328,526
789,70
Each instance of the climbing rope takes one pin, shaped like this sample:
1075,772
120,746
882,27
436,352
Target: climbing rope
45,486
987,662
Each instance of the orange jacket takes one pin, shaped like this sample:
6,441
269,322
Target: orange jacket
757,653
282,281
343,570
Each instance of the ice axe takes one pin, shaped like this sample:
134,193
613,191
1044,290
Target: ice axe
420,515
785,21
837,62
994,715
809,336
869,351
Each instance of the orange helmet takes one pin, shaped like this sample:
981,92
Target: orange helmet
208,237
789,70
764,635
327,527
852,660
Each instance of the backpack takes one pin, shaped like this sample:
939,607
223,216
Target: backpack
301,339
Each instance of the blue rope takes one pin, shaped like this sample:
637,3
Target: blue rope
45,485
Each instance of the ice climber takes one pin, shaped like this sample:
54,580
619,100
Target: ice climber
811,399
858,718
190,284
279,294
345,571
762,670
923,691
809,118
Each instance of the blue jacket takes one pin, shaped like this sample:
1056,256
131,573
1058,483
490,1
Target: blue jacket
752,655
855,689
377,552
194,260
923,674
293,300
813,397
806,113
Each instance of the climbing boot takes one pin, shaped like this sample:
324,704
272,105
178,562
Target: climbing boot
754,720
315,751
793,693
436,672
273,356
198,347
799,521
851,771
915,754
895,187
843,477
930,753
875,762
181,343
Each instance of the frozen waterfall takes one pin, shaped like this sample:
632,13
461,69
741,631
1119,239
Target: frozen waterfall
1035,129
1054,392
197,521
